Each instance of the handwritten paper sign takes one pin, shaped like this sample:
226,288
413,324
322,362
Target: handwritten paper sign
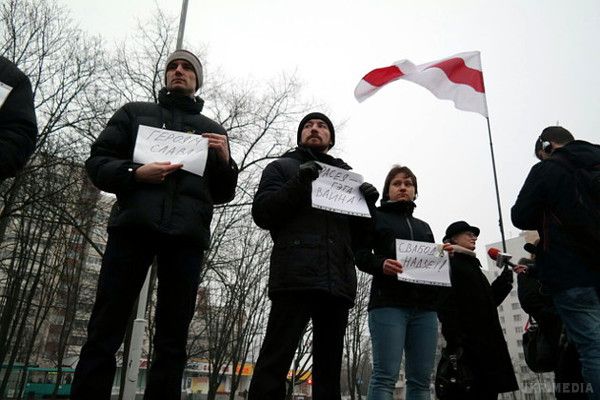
336,190
155,144
423,262
4,92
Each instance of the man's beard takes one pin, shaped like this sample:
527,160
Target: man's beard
320,147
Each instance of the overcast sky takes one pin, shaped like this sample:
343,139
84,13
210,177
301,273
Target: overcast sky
540,59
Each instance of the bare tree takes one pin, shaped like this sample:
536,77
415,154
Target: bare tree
236,305
42,271
357,340
137,67
63,65
47,213
302,364
44,211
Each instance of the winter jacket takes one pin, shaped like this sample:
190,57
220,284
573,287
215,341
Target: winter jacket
550,186
183,204
312,248
469,318
394,220
18,126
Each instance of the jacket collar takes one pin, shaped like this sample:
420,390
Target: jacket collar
184,103
304,154
399,207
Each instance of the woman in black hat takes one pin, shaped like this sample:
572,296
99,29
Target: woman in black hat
470,322
402,315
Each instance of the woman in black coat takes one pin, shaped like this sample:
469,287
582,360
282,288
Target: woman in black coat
470,318
402,317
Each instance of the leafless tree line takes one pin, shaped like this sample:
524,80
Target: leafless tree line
50,216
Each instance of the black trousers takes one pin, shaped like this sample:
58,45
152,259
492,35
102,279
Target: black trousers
288,317
126,261
567,375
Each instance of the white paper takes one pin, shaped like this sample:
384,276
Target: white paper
156,144
4,92
336,190
423,262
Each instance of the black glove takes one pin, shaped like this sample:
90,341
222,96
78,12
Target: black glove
370,192
309,171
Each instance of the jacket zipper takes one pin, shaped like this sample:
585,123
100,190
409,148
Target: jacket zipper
410,228
170,189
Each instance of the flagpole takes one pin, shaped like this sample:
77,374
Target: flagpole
182,18
500,223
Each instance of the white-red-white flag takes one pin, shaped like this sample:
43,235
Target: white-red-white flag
458,78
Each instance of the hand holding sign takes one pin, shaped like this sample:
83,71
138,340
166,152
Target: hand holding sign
309,171
336,190
370,192
155,172
392,267
219,143
155,145
423,262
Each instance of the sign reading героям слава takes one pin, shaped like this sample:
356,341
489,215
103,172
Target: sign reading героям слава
156,144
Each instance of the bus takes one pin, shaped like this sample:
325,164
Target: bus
39,382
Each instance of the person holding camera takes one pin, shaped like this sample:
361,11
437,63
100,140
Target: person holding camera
470,323
560,199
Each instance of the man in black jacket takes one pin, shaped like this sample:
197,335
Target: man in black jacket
549,203
312,272
18,127
161,211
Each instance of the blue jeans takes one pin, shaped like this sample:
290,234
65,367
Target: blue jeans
394,329
579,309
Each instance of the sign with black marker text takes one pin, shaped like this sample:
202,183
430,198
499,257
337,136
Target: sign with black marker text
156,144
336,190
423,262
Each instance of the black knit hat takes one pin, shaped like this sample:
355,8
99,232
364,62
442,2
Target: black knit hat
192,59
322,117
459,227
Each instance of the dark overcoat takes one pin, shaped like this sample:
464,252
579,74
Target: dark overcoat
313,250
550,188
183,204
18,126
395,220
469,319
